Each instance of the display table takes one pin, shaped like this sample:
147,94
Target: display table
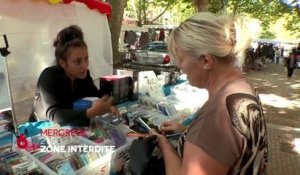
102,132
167,88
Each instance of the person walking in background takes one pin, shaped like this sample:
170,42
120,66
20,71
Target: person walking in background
290,63
270,53
253,58
282,52
228,136
277,55
264,52
297,56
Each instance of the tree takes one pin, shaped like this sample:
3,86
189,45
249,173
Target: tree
140,9
267,11
115,27
200,5
293,20
115,23
182,10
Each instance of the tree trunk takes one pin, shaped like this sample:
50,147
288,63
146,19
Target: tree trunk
201,5
158,16
139,14
115,24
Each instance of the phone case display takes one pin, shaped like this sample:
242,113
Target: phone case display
104,131
142,117
73,159
6,121
165,106
112,130
16,163
189,97
66,160
6,129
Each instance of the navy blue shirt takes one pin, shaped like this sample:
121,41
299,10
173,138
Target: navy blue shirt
55,96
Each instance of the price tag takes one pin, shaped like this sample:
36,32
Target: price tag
154,88
149,84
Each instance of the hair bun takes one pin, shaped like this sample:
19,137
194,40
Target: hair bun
68,34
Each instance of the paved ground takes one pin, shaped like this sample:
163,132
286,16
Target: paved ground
281,102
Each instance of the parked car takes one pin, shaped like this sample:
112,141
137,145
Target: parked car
154,53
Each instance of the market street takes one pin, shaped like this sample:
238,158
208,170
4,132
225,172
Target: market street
281,100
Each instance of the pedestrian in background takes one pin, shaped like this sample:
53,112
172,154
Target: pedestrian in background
290,65
277,55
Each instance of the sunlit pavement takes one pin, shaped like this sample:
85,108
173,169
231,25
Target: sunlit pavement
281,101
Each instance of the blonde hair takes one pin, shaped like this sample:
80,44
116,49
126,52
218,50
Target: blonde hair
223,37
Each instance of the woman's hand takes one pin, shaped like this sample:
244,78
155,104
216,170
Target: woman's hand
114,111
161,139
100,107
172,126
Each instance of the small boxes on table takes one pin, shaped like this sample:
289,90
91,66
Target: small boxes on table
118,86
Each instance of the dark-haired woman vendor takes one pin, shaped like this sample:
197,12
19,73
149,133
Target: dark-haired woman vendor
59,86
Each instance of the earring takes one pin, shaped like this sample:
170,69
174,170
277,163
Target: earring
206,67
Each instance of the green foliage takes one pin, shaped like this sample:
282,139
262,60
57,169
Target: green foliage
267,11
182,10
293,24
266,34
140,9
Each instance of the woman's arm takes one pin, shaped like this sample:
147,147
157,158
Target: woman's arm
52,101
197,161
171,158
100,107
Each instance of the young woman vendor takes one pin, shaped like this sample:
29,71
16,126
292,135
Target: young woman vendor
67,81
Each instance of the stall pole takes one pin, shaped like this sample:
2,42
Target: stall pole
4,52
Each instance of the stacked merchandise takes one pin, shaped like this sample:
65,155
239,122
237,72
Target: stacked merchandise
163,105
187,99
15,162
184,100
6,136
118,86
104,136
111,130
149,114
104,131
64,162
6,128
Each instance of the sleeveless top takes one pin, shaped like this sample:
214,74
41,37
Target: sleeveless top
231,128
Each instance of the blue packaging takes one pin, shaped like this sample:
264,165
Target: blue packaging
82,104
189,120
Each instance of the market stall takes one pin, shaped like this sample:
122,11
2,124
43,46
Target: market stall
44,147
